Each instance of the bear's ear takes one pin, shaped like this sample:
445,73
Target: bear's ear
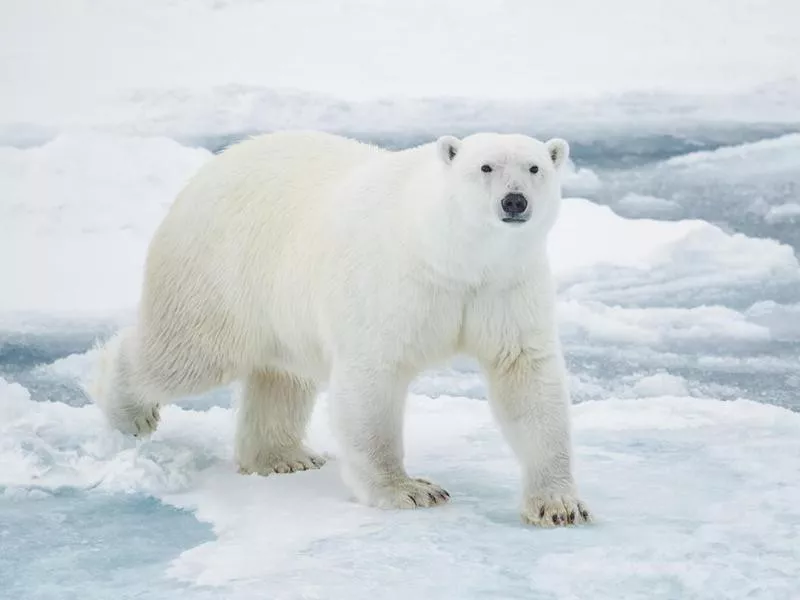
558,150
448,146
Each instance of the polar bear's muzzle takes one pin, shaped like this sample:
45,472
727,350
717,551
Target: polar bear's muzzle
514,208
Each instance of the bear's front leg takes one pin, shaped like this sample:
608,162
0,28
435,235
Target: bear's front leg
529,398
367,408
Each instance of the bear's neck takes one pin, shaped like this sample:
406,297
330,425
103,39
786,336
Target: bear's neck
452,255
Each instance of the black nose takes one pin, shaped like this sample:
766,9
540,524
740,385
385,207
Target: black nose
514,204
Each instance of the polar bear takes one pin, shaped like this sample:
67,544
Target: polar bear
300,259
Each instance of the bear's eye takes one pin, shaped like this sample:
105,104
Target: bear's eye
486,169
534,169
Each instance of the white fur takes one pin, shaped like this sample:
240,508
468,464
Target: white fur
295,260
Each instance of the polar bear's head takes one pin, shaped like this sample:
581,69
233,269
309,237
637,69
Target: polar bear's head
503,181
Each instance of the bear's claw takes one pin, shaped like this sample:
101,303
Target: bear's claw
282,461
147,421
554,510
411,493
137,420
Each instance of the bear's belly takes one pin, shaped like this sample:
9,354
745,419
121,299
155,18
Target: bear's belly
305,359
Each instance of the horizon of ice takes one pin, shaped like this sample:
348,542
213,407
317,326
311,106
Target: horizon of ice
157,80
155,45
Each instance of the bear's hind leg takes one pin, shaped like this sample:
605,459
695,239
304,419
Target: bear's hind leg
271,422
117,389
132,379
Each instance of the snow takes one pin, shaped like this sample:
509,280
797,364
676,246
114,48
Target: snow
783,212
301,535
679,296
648,203
748,157
651,256
660,384
783,320
747,186
77,214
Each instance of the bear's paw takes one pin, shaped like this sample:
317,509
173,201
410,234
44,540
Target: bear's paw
282,461
554,510
410,493
138,420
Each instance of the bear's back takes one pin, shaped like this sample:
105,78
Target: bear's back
244,235
259,192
